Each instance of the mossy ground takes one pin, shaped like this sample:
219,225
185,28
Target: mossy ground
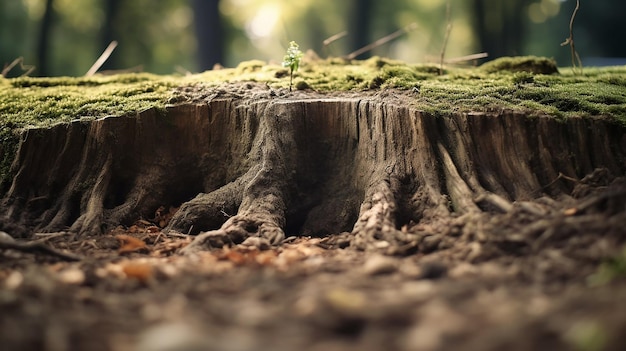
505,84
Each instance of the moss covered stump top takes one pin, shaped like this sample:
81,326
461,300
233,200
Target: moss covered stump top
521,83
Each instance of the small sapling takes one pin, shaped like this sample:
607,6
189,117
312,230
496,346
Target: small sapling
292,60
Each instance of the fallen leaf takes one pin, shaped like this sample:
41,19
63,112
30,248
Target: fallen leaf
137,270
162,217
153,229
130,243
266,258
235,257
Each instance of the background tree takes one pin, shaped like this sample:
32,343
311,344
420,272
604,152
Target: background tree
500,26
209,33
43,45
109,32
360,29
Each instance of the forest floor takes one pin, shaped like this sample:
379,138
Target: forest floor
548,273
549,286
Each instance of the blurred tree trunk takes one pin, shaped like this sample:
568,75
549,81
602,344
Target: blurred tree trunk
111,9
315,31
209,33
360,25
500,26
43,45
605,40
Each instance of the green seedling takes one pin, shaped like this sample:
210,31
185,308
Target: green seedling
292,60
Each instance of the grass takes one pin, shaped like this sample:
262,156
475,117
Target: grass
521,84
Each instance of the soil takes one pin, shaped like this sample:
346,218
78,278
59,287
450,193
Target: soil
344,221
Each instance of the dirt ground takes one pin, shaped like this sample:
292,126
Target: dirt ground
536,277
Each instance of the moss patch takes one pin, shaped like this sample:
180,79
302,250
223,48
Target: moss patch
531,64
526,84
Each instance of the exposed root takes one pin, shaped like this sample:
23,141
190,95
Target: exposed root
207,211
92,218
264,189
376,227
460,194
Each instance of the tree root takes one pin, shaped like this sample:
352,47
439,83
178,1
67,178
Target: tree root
376,227
7,243
264,189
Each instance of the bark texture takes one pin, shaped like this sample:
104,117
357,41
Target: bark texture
259,169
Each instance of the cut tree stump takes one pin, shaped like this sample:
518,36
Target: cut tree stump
261,166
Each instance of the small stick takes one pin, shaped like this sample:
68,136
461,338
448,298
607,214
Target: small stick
43,237
576,62
23,67
559,177
334,38
382,41
102,59
175,234
467,58
445,39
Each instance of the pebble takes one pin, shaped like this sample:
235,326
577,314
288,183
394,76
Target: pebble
72,276
172,337
4,236
430,243
379,264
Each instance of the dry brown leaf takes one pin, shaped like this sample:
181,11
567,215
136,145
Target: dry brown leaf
235,257
130,243
143,222
168,246
163,217
153,229
136,270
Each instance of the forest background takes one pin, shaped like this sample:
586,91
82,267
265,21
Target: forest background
65,37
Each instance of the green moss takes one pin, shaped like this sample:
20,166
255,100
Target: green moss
525,84
531,64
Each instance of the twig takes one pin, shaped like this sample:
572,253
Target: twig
445,39
102,59
23,67
38,247
334,38
176,234
467,58
224,213
382,41
559,177
576,62
43,237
